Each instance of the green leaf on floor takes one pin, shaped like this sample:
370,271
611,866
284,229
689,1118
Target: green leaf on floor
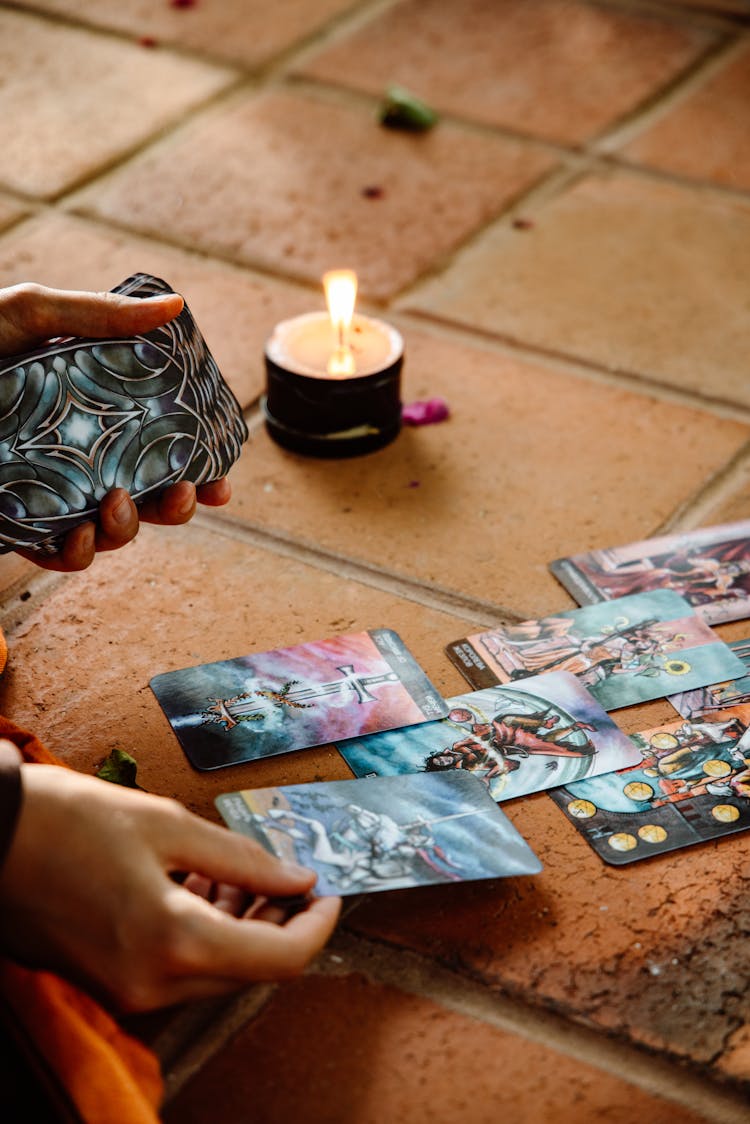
403,110
119,768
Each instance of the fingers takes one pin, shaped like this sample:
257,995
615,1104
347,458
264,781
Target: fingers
215,494
118,520
242,951
177,503
191,843
32,313
174,506
230,899
77,553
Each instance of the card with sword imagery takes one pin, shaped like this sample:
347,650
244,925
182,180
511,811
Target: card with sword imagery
255,706
384,833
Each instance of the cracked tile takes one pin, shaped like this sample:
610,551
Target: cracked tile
433,1066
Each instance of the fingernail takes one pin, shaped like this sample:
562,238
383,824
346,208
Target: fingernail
295,870
122,512
187,505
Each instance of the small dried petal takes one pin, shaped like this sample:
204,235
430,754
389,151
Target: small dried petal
147,41
373,191
425,413
523,224
403,110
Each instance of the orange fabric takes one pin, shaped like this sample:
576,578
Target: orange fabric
110,1077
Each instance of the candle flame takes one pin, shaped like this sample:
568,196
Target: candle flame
341,293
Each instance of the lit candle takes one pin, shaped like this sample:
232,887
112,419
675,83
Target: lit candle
334,379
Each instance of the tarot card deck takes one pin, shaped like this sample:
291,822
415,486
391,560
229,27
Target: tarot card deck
79,417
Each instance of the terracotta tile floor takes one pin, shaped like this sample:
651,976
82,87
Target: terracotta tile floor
566,255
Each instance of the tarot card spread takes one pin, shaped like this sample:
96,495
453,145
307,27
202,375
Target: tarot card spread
710,567
293,698
384,833
624,652
538,733
693,784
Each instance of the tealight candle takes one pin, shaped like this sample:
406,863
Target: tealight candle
334,379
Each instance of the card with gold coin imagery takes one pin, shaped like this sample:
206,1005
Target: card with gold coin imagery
691,785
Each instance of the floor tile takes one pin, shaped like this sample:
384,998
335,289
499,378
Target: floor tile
10,210
16,578
249,32
631,951
358,1052
81,661
51,143
511,63
621,271
718,7
533,464
235,310
278,180
717,113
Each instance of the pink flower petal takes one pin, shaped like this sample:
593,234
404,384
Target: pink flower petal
425,413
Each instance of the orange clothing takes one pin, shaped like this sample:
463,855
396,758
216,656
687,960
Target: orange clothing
107,1076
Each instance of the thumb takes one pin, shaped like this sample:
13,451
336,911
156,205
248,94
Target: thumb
41,313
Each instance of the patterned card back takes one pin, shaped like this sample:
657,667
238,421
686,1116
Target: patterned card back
79,417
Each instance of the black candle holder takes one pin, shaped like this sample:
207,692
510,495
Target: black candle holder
327,416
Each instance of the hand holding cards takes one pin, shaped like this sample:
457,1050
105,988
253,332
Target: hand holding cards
83,416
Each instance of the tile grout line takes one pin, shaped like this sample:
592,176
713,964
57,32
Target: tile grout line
198,1048
720,486
673,94
580,366
414,974
679,13
417,975
435,597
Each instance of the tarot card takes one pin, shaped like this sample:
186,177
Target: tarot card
703,701
624,652
692,784
535,734
291,698
709,567
384,833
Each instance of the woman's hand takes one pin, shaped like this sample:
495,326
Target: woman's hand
87,891
31,314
